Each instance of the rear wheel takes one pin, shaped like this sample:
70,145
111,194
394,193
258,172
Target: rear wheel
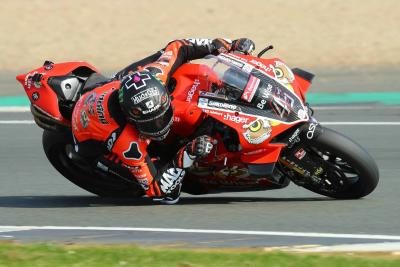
54,145
347,170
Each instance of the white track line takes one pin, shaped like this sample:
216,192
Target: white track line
342,123
361,123
205,231
15,109
17,122
365,107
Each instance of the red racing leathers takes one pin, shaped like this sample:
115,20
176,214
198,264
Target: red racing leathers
99,128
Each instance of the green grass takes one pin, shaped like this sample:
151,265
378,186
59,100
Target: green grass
42,255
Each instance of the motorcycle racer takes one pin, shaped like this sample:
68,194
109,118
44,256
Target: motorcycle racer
119,119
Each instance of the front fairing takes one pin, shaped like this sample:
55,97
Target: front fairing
240,88
257,105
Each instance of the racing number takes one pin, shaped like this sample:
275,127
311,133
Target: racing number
282,102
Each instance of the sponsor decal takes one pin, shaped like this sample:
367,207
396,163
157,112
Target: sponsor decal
318,171
29,79
137,80
198,41
133,169
152,109
300,154
111,140
311,130
170,179
265,96
84,119
89,102
257,131
35,96
294,138
202,93
283,72
254,152
295,167
203,102
214,112
177,119
261,65
217,104
266,92
192,90
237,61
236,119
232,61
100,108
149,104
234,56
146,94
233,171
250,88
133,152
261,104
144,183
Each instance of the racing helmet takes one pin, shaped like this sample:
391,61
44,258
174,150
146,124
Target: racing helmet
146,104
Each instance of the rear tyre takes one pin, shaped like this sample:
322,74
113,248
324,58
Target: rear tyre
349,171
54,145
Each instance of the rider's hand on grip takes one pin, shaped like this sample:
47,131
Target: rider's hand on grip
219,46
201,146
243,45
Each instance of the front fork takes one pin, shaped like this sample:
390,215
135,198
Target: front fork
300,165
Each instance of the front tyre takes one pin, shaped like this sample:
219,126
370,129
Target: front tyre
349,172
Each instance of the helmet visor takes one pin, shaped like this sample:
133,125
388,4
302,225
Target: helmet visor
157,127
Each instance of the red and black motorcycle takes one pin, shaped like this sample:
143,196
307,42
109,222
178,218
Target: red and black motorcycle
254,107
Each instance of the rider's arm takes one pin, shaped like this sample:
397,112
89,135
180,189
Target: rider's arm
134,66
180,50
165,62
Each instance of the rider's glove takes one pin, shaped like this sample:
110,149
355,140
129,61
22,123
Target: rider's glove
243,45
219,46
200,147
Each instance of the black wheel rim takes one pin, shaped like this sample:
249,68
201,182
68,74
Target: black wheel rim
338,174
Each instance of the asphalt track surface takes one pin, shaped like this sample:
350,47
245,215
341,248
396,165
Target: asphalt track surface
32,193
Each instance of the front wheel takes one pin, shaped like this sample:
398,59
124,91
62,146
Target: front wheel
346,170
